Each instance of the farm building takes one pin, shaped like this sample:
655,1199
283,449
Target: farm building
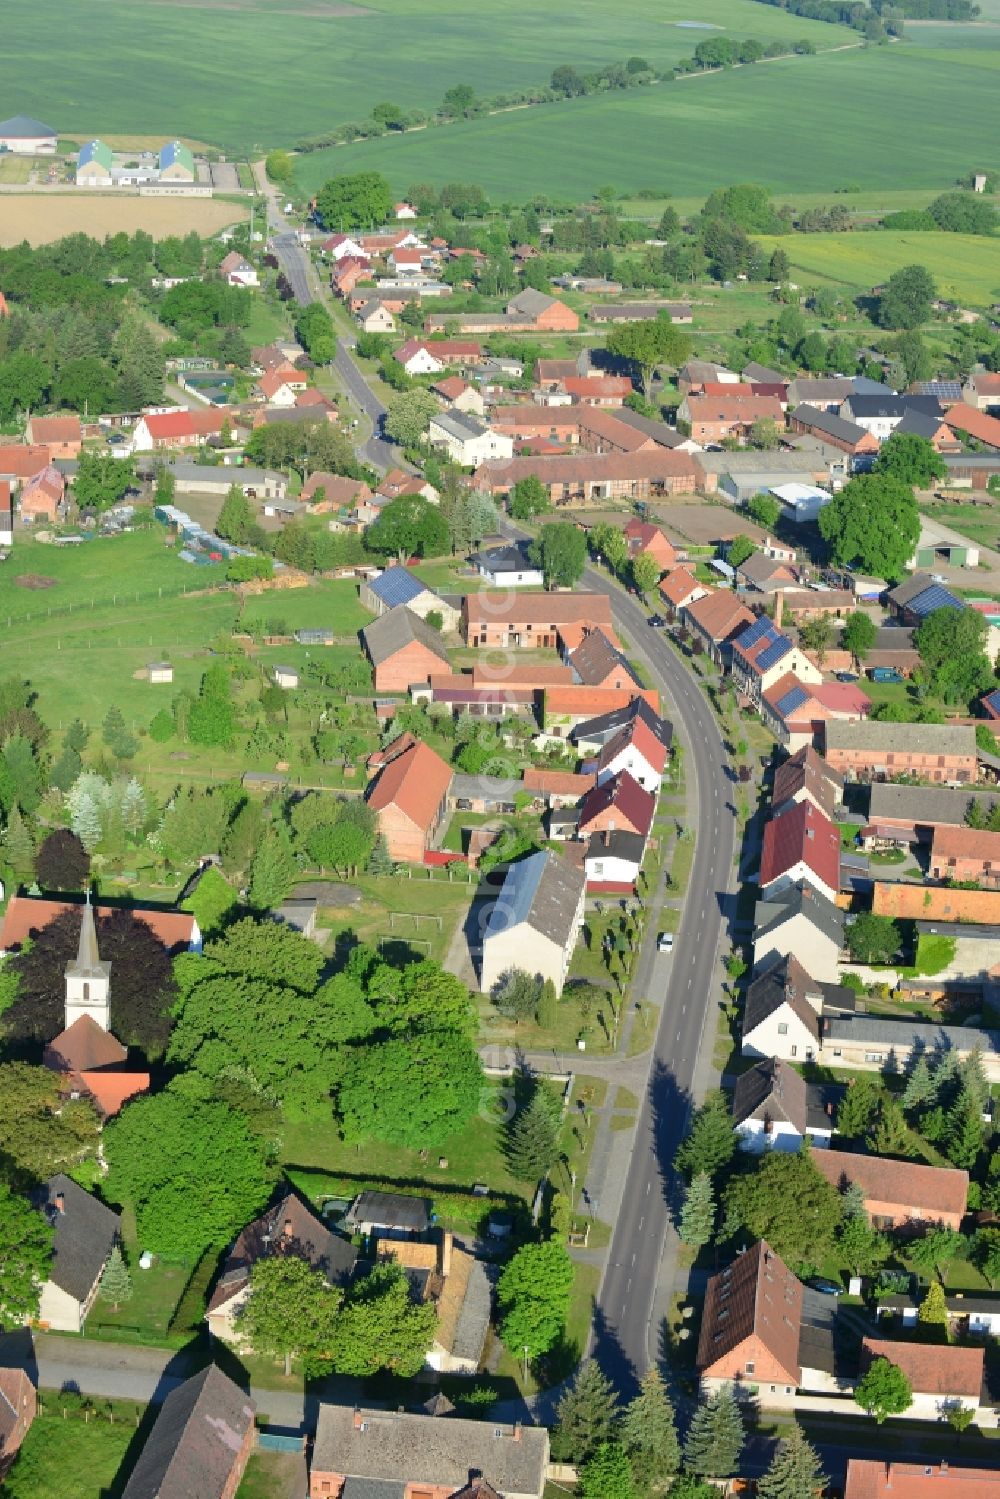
93,165
535,920
176,163
27,137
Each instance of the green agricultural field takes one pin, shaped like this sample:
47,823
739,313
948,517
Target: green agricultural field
294,70
799,124
964,266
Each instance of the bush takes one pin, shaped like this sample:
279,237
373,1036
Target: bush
189,1313
162,727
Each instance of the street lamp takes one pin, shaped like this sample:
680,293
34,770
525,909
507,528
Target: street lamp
525,1363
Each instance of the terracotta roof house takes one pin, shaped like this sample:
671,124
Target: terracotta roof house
178,429
378,1454
800,844
337,492
806,776
713,418
564,708
26,915
900,1194
714,620
646,540
593,734
763,574
881,1478
750,1324
598,663
873,750
92,1061
800,922
582,478
774,1108
962,853
43,496
598,390
761,654
795,713
19,461
679,588
637,750
18,1405
200,1442
535,921
410,798
832,430
531,619
62,435
403,650
617,804
288,1227
983,428
85,1233
941,1376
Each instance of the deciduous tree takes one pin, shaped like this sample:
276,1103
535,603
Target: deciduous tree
413,1093
873,522
291,1310
883,1390
788,1203
25,1255
533,1298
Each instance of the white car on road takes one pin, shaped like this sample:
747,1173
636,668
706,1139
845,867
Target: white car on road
665,942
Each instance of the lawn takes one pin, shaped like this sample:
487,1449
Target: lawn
680,136
420,912
966,266
72,1458
980,523
304,68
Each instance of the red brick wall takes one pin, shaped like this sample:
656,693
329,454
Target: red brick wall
559,317
414,663
766,1369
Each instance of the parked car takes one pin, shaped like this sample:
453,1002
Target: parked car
825,1287
846,676
885,674
656,619
665,942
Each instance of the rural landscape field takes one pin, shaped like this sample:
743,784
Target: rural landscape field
40,219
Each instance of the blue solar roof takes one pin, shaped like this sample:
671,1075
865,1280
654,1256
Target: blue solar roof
992,699
397,586
793,698
754,632
774,653
518,894
934,597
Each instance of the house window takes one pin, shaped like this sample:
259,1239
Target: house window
874,1056
793,1051
782,1029
749,1368
838,1053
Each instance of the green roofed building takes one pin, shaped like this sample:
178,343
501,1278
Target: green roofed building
176,163
93,165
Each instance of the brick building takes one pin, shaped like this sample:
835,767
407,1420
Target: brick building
410,799
532,620
899,1194
874,750
961,853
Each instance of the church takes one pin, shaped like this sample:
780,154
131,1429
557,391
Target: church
91,1061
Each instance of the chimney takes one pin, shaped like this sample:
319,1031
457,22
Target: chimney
517,1431
779,608
287,1228
447,1243
357,1419
60,1203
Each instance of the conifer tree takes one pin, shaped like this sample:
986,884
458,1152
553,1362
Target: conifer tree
715,1437
18,847
649,1433
272,869
116,1283
933,1310
794,1472
920,1091
585,1416
532,1141
698,1213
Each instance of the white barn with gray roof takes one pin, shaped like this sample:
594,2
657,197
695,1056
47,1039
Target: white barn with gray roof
535,920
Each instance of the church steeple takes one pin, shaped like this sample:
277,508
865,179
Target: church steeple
88,979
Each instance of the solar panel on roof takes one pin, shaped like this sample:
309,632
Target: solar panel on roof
397,586
774,653
934,597
792,699
754,632
993,698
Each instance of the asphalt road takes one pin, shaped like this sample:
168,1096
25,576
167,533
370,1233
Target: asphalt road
294,261
624,1338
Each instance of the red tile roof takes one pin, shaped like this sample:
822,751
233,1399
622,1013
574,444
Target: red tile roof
590,702
756,1296
932,1369
557,782
639,734
879,1478
738,409
22,461
84,1046
56,429
719,614
801,833
625,794
977,424
415,782
451,387
678,586
542,609
956,842
584,386
928,1190
164,425
26,915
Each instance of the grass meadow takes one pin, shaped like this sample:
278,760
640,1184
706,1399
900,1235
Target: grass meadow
966,266
248,73
797,125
